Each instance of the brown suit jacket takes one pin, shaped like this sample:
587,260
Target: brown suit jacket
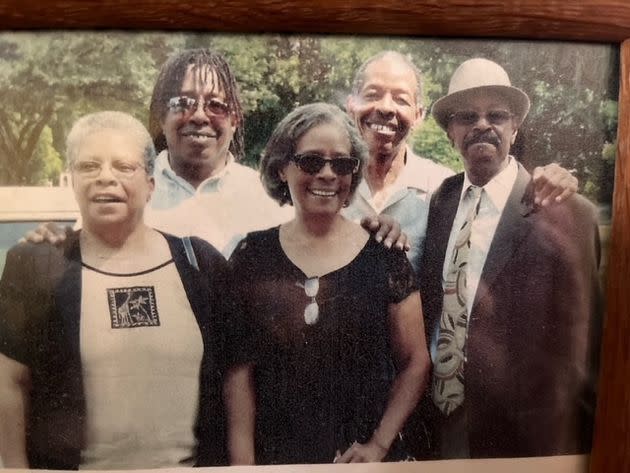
534,328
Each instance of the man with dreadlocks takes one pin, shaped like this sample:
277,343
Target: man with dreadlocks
196,121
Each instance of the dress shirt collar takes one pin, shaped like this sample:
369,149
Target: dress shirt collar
163,166
499,187
413,175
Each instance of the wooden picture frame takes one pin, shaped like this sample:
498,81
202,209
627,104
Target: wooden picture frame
586,20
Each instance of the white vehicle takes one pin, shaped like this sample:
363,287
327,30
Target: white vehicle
24,208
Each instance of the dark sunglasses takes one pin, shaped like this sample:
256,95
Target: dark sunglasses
312,163
469,117
188,105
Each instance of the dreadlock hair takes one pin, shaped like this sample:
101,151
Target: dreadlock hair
169,83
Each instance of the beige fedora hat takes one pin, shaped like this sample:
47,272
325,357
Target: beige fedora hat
479,76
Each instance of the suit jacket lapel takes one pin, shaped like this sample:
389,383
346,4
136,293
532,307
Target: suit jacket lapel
513,227
447,208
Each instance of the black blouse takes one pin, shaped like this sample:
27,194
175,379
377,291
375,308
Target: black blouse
319,386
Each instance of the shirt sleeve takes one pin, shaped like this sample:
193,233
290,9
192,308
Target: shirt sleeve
241,340
14,294
401,279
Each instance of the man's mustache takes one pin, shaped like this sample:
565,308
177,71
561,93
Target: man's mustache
484,137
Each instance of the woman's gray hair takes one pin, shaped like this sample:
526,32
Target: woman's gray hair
109,120
281,146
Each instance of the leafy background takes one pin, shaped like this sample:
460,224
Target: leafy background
48,80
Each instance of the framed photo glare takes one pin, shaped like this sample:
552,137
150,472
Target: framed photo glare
593,21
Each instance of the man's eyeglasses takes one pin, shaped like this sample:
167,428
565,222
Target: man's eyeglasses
312,163
311,311
188,105
469,117
120,169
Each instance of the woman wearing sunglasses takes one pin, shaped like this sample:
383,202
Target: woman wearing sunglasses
329,354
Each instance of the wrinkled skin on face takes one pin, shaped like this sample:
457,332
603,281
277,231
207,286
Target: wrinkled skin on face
484,146
386,108
322,194
106,200
198,143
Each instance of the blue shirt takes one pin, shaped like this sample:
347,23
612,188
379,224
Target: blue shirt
408,202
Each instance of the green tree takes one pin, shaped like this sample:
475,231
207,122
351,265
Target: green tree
50,79
47,162
430,141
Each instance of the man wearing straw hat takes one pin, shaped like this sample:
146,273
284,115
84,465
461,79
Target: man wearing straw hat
510,289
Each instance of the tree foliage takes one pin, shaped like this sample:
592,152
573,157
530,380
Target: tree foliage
430,141
48,80
47,162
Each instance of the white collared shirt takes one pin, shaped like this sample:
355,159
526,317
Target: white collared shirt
222,210
493,199
171,189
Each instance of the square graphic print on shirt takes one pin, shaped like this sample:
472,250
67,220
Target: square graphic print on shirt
131,307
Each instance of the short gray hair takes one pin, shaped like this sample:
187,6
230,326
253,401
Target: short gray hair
281,146
110,120
359,77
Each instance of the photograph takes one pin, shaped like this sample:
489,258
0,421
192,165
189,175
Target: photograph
357,249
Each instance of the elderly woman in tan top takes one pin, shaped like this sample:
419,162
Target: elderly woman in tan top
110,344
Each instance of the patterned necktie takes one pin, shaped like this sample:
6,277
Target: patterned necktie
448,369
